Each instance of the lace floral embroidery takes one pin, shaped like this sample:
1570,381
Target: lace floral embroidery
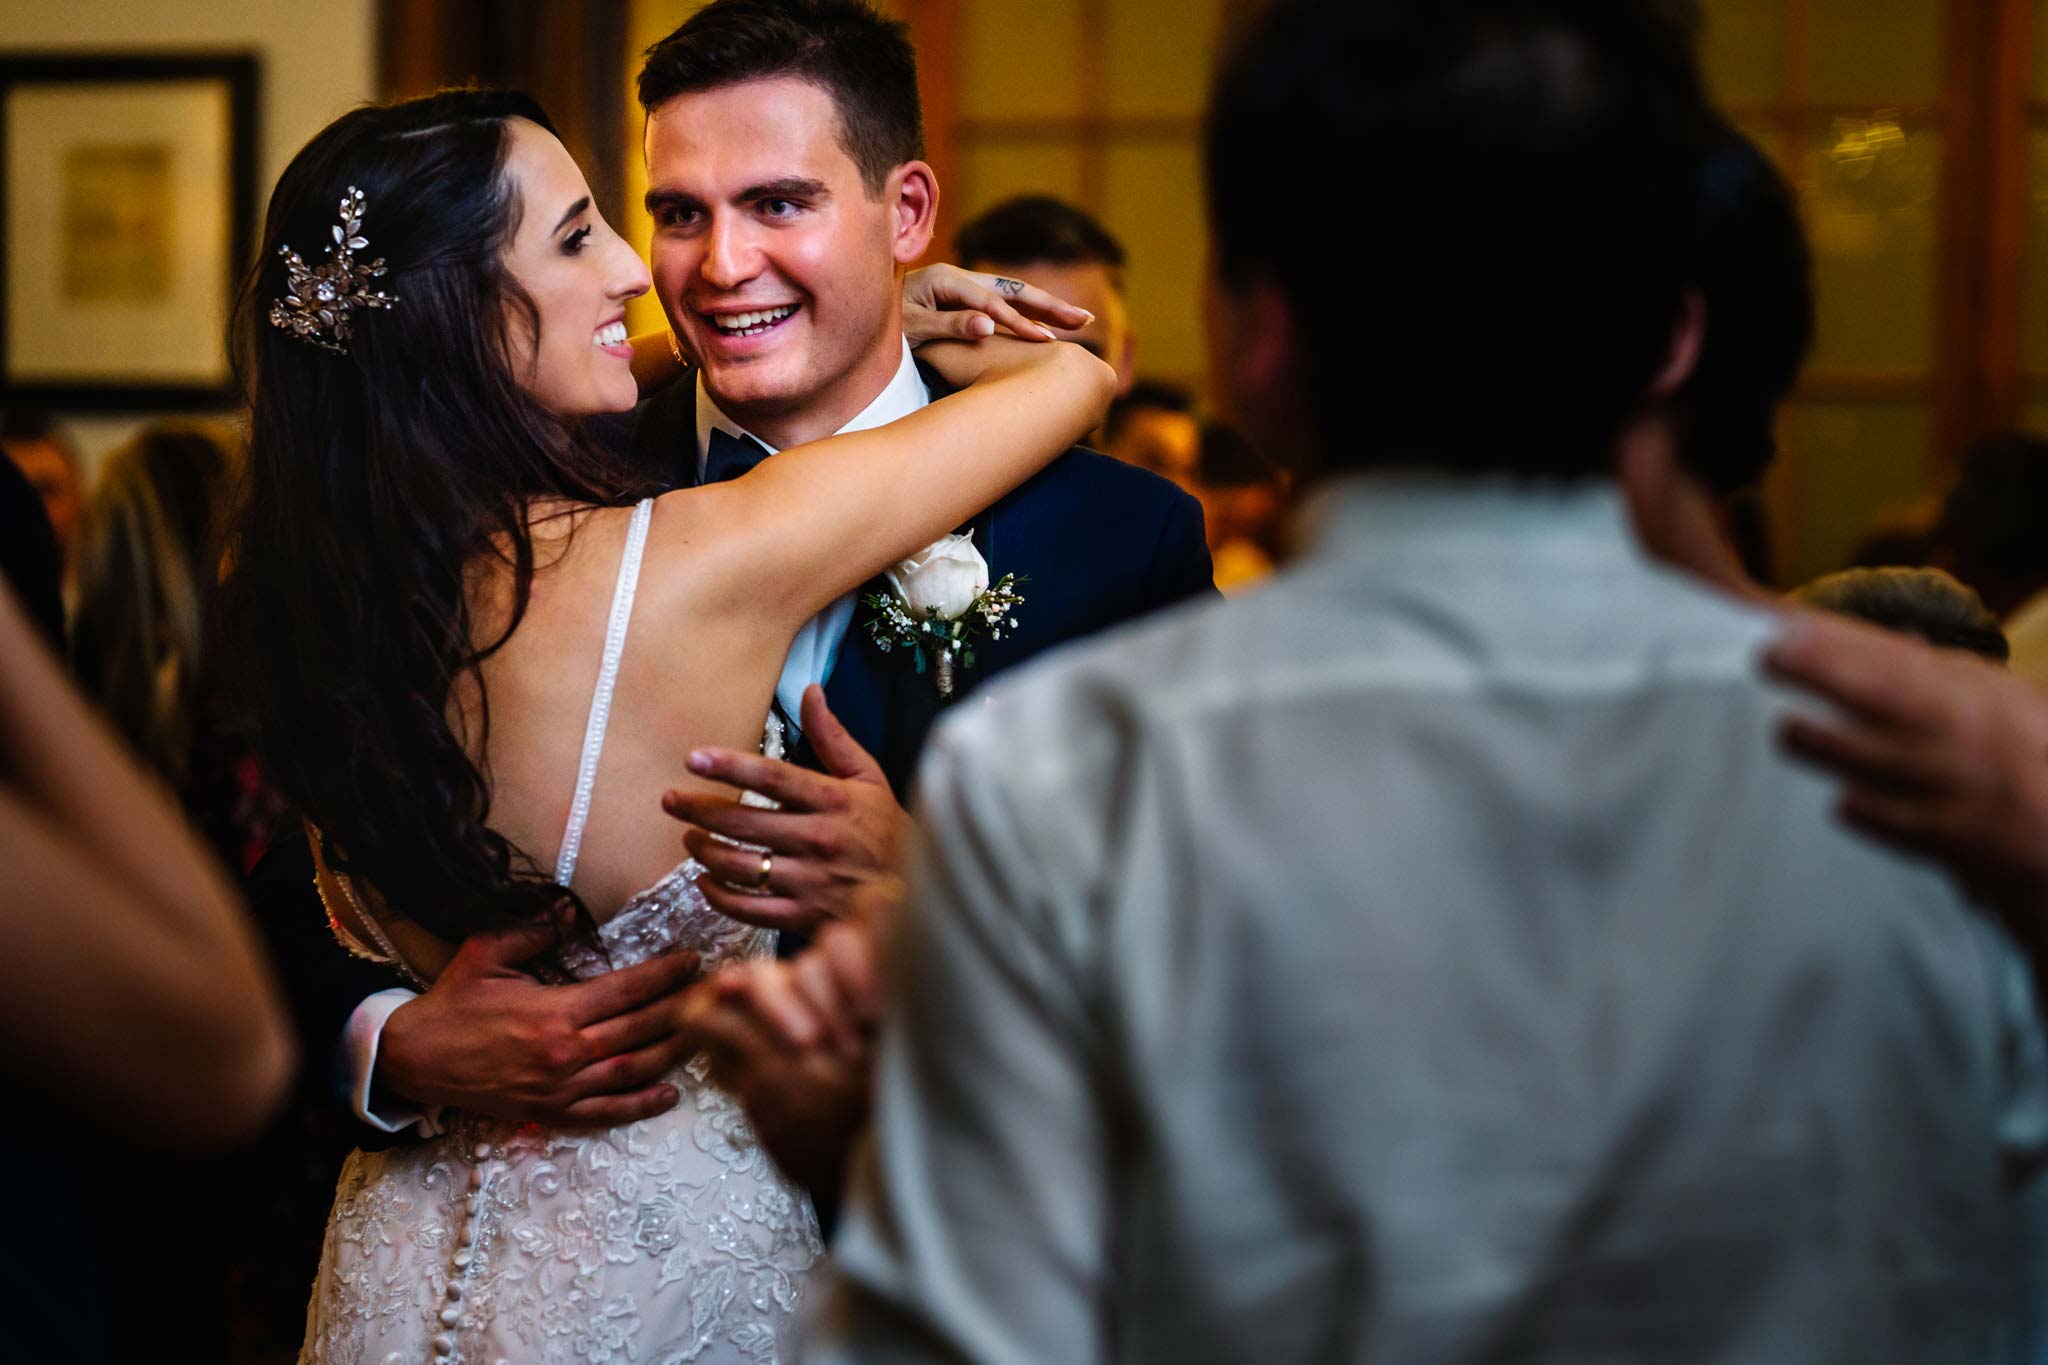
671,1240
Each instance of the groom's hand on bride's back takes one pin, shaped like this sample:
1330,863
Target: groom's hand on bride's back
837,835
488,1038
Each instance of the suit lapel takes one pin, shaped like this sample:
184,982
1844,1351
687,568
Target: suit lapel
857,688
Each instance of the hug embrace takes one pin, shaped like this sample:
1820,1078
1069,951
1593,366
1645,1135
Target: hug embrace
499,608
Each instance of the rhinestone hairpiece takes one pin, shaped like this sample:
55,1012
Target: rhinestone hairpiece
319,299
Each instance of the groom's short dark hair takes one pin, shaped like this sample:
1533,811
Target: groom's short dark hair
1481,215
859,57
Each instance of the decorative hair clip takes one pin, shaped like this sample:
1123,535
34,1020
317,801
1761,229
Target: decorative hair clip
319,299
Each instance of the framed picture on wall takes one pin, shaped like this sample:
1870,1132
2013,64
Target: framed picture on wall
127,210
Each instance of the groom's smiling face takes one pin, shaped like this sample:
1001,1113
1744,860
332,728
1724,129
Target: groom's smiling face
777,268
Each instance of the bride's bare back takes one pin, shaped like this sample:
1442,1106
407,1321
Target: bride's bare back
730,573
698,668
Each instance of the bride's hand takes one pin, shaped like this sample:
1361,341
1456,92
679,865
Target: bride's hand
944,302
940,303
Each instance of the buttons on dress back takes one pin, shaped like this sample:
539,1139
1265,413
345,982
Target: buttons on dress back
466,1237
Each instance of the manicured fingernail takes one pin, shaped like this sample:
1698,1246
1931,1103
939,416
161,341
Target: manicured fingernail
982,327
1049,334
1088,315
700,762
670,1097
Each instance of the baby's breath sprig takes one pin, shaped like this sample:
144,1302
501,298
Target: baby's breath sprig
936,642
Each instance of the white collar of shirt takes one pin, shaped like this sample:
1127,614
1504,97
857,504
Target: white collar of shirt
1399,520
904,394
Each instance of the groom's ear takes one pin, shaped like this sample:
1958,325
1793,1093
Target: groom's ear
912,195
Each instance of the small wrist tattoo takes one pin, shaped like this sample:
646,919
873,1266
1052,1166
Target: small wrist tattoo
1009,287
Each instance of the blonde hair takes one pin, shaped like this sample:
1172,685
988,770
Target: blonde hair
147,568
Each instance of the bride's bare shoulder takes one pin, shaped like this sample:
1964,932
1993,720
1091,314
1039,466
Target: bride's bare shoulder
565,539
694,536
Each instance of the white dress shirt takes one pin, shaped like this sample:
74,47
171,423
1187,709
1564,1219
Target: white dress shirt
811,656
1429,958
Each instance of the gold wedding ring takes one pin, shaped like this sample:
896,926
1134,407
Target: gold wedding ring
767,870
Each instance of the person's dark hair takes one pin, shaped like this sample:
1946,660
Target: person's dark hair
860,58
376,479
1995,520
1154,394
1230,461
1037,228
29,562
147,567
1525,174
29,424
1755,284
1923,602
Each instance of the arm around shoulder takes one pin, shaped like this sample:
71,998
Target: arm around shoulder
806,527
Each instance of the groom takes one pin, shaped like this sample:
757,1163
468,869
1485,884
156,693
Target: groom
784,146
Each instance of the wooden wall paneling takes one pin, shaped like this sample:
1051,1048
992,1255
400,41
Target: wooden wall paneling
935,31
1783,511
565,53
1963,227
1093,59
2009,192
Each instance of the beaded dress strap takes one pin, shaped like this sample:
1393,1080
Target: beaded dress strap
601,699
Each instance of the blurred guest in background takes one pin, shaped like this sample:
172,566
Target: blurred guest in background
1994,531
1924,602
35,445
1050,243
138,1013
146,574
1690,470
1903,532
1431,959
1153,426
29,561
1242,495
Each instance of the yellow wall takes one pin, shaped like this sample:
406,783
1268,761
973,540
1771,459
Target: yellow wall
1099,102
647,22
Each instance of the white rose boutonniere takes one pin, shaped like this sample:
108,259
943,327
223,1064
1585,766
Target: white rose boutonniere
944,578
941,601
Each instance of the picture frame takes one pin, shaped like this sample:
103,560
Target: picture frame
127,217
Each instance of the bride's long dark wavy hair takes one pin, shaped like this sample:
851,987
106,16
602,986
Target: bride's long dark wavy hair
376,479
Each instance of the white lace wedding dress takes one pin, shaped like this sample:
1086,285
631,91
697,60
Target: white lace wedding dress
673,1239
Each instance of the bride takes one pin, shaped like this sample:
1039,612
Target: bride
447,596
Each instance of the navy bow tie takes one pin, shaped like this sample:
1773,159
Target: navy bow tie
730,456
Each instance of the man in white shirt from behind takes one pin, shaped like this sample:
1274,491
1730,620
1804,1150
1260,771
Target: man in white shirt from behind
1433,958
